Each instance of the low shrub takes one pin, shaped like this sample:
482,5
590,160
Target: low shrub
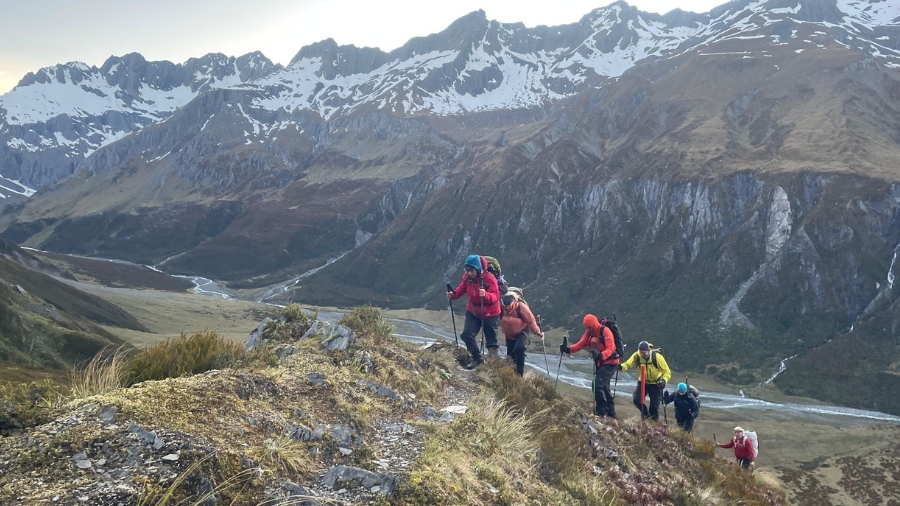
25,405
183,356
366,321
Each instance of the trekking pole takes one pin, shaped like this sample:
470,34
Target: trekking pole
540,321
665,406
616,384
452,316
558,367
482,315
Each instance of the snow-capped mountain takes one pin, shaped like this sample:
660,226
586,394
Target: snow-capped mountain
60,115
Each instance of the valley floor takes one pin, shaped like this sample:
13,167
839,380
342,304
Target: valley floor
818,460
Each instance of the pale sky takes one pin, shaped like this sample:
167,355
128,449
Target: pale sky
39,33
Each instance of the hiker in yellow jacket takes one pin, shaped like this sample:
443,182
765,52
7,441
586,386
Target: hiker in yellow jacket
657,374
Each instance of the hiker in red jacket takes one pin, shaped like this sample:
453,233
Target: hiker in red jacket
743,448
483,309
515,320
602,345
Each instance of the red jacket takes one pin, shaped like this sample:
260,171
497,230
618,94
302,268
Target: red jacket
517,319
605,345
470,287
743,448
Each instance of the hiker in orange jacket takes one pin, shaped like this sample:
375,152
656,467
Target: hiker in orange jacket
602,345
516,320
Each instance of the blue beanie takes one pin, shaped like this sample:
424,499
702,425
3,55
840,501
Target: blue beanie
682,388
474,261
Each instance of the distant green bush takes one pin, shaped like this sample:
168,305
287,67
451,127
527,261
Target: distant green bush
183,356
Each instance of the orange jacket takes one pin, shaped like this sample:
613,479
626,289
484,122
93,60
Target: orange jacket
604,345
515,319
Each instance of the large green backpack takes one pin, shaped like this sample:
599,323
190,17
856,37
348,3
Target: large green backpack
494,268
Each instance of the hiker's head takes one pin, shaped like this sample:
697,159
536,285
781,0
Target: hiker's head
473,266
591,322
644,349
738,432
507,300
682,388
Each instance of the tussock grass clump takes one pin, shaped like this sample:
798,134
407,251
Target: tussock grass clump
183,356
190,489
103,374
284,455
563,450
487,456
590,490
367,321
741,487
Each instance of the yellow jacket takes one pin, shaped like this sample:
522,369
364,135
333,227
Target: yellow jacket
654,373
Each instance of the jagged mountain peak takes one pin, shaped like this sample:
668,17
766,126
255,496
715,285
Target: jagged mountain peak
474,65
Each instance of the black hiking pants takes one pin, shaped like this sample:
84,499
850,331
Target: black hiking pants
470,333
654,394
686,423
515,348
604,402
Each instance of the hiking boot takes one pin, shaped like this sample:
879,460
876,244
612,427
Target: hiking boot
475,363
494,353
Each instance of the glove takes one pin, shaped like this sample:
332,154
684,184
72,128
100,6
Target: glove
620,367
564,349
661,384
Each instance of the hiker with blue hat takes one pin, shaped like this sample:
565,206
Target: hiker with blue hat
483,309
686,406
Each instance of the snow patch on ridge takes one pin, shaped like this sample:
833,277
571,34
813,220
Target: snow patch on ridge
14,186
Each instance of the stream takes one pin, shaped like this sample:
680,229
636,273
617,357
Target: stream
571,370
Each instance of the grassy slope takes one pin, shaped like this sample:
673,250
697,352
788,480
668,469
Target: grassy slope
52,325
519,443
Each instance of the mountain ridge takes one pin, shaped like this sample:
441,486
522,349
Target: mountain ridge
474,65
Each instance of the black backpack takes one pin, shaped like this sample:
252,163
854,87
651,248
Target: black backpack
610,323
